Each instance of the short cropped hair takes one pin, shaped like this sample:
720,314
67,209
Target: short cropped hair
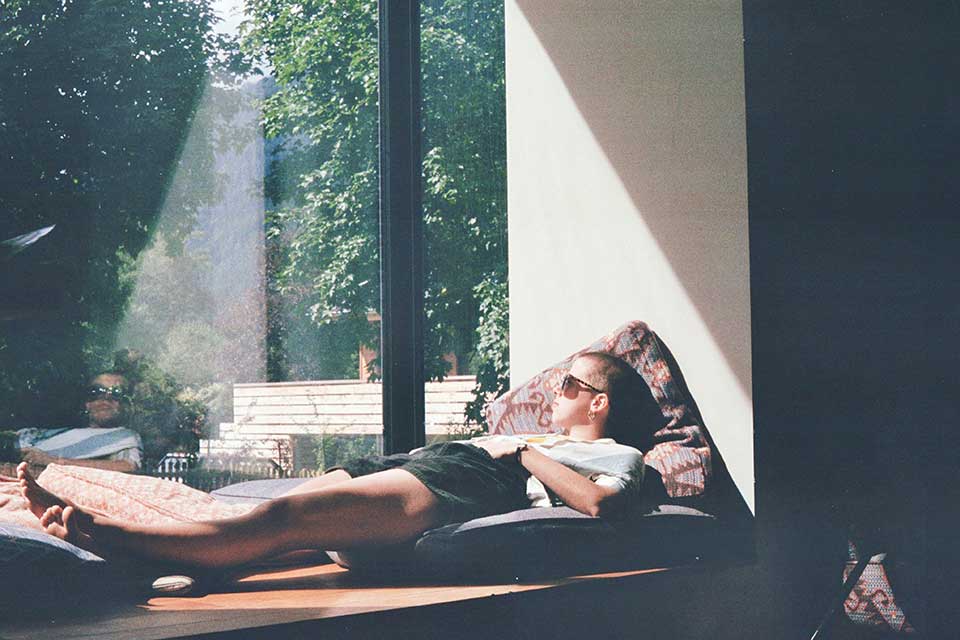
634,416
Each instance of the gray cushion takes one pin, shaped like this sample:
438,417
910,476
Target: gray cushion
24,550
542,542
256,490
38,569
537,543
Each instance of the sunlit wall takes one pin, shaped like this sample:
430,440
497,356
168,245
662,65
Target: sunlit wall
627,180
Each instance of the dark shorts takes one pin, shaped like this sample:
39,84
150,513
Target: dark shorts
467,481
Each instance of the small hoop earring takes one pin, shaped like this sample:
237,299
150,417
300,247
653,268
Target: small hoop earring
591,415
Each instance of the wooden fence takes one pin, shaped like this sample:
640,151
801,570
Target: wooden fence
281,421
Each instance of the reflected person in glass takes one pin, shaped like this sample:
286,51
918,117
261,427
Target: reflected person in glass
103,444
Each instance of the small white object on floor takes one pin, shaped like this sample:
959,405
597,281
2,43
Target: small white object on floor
173,586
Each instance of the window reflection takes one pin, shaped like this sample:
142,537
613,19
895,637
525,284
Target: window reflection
213,186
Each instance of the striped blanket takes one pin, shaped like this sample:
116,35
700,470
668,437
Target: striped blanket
85,443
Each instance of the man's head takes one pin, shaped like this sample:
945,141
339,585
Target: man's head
603,396
106,400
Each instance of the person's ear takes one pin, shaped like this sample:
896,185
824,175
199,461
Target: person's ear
600,402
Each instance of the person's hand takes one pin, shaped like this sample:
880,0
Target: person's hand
5,478
501,448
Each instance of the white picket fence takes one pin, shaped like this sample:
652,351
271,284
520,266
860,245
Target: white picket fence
208,474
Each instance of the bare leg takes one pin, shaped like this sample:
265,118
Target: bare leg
65,523
43,503
382,508
321,482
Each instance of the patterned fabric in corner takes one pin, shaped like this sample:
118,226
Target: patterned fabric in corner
680,453
872,601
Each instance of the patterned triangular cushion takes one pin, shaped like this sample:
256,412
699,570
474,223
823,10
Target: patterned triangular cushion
681,452
872,601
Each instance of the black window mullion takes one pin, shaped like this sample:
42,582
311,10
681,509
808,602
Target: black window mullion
401,227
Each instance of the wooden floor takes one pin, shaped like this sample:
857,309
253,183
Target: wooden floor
278,603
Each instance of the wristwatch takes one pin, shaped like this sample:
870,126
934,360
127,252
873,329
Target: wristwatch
521,447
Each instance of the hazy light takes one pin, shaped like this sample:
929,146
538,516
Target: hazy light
200,313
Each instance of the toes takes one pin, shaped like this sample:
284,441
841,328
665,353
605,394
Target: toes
68,517
71,524
23,473
50,516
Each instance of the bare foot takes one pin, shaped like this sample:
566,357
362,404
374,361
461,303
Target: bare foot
67,524
37,497
53,523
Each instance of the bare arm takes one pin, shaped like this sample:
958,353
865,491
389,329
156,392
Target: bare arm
41,458
576,491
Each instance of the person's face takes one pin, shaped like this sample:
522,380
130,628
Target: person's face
105,400
573,399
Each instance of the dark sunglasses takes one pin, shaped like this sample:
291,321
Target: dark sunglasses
568,378
97,391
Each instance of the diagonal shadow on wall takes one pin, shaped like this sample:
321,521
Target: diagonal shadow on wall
653,83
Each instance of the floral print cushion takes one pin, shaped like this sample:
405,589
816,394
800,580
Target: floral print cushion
135,498
680,453
872,602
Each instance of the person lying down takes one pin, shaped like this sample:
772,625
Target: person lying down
593,465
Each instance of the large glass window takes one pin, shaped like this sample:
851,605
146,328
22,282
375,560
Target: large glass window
465,213
210,174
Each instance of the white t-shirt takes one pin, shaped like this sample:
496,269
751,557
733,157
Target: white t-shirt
603,461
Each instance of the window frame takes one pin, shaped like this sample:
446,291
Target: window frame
401,227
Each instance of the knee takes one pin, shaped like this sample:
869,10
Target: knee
274,516
288,514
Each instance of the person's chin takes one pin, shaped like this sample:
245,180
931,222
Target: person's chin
104,421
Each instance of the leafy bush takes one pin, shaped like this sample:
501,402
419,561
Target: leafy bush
332,450
492,356
168,416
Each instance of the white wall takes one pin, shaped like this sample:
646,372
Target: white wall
626,158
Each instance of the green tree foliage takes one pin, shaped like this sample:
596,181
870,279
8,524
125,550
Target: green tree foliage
331,450
492,359
465,207
322,183
96,102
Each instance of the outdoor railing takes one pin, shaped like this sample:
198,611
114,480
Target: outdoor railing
209,474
